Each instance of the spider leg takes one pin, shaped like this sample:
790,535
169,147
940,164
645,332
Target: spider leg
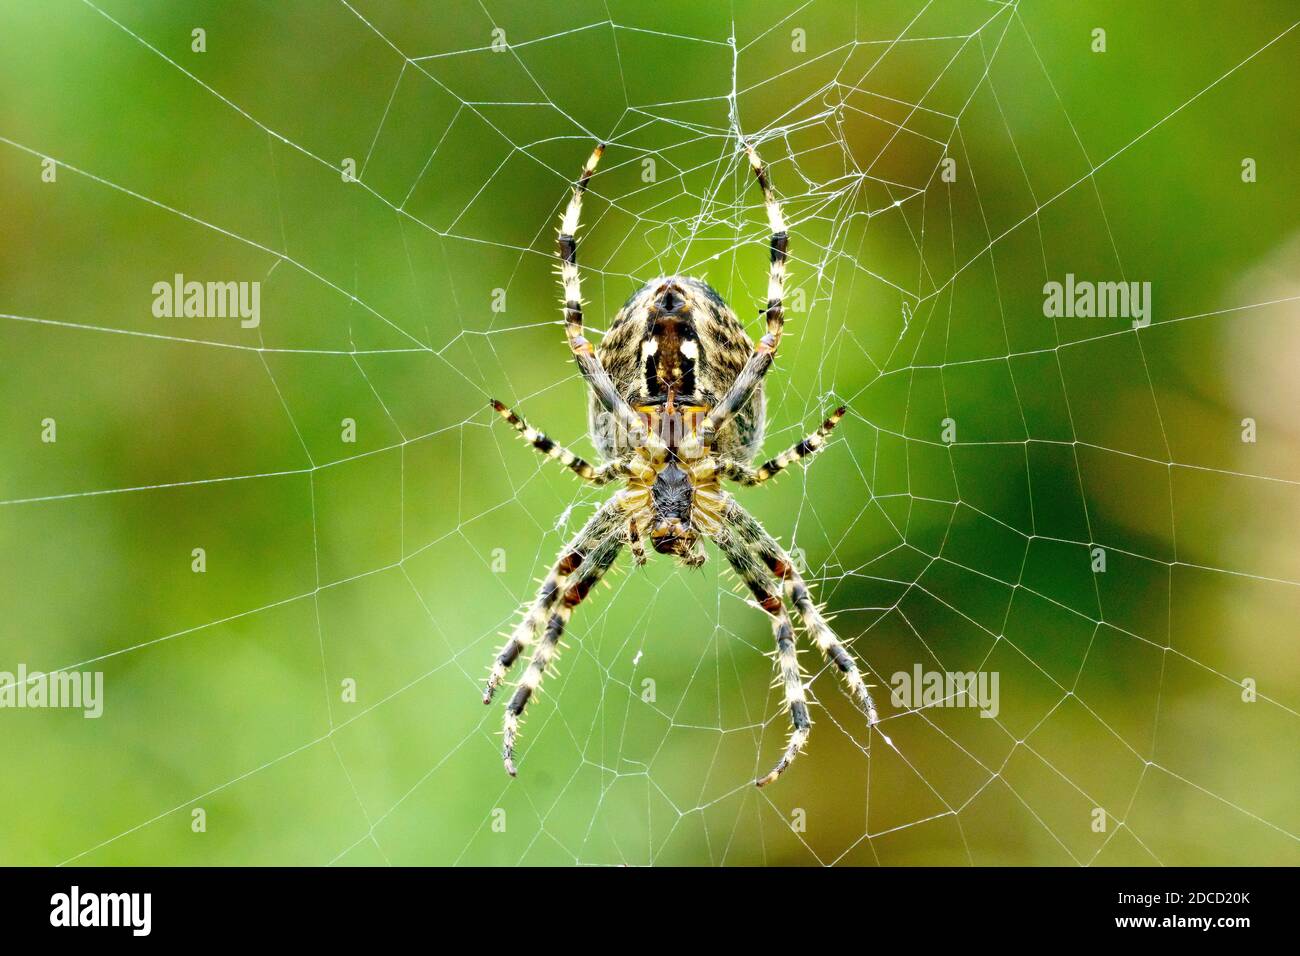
761,360
599,475
576,588
696,557
583,353
738,472
796,589
606,520
760,584
635,543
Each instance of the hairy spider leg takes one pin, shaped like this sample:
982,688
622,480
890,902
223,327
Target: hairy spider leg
761,585
607,519
761,360
797,591
597,475
583,353
745,475
576,589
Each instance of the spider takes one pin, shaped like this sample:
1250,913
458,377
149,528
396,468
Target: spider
675,408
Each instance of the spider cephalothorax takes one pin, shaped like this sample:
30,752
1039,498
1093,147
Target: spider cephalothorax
676,408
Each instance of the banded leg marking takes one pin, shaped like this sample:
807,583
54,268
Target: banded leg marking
599,526
761,360
745,475
761,585
567,249
576,589
799,594
779,244
579,466
571,283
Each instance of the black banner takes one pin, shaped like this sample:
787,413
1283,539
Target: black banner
337,905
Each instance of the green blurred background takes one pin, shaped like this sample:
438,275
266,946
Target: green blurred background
395,561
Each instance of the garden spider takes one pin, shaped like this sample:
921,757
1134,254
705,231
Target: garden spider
676,406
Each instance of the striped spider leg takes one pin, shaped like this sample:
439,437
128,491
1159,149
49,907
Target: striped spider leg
743,474
745,562
583,352
579,567
798,593
751,375
755,555
764,567
597,475
576,587
606,521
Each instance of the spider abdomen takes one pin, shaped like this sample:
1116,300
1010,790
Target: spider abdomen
676,340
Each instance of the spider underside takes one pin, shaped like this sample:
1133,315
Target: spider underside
676,408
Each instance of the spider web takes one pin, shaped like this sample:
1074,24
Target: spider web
405,299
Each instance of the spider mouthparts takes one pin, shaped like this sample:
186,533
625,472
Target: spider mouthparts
510,767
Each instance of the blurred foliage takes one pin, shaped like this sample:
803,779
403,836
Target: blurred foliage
377,561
